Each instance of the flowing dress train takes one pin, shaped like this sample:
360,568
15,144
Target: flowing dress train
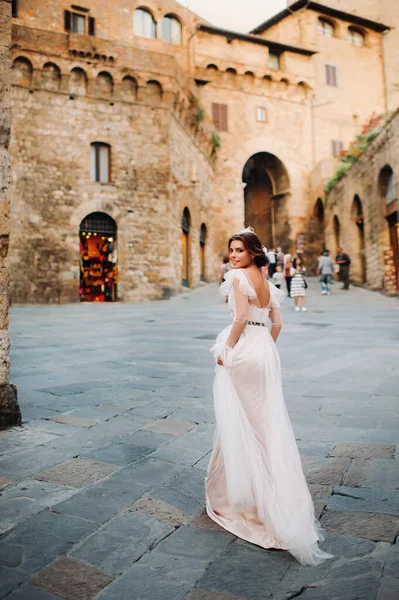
255,486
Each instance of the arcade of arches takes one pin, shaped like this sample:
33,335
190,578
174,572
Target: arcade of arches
265,198
187,250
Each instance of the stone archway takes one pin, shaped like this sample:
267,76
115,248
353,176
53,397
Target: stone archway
387,187
185,247
265,198
359,262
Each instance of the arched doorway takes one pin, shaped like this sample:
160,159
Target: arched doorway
359,266
318,214
388,191
337,231
265,198
185,247
98,258
202,251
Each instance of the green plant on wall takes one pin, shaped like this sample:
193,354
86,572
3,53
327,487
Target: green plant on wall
348,157
199,117
216,142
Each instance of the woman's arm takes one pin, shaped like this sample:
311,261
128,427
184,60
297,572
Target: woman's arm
276,321
240,319
241,316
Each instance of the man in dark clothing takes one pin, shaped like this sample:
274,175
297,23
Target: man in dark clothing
344,262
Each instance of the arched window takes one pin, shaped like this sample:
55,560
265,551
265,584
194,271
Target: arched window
171,30
100,162
51,77
129,87
212,67
77,81
319,211
154,92
202,251
387,185
22,71
144,23
104,84
325,27
355,36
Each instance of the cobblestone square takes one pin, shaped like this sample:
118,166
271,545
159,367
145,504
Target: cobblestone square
123,499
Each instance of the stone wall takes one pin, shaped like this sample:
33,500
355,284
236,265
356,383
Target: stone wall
373,257
59,110
9,409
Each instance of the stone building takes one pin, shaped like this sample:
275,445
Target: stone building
143,137
363,213
10,413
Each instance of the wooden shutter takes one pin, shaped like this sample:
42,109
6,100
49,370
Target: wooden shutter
14,6
331,75
67,20
219,114
92,26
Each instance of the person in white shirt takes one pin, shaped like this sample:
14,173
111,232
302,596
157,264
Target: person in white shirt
278,277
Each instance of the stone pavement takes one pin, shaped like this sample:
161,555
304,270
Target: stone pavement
103,486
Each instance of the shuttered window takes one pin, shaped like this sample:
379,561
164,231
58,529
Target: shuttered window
336,147
261,114
331,75
219,114
76,23
100,162
14,5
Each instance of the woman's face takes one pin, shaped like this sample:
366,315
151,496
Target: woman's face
240,258
298,262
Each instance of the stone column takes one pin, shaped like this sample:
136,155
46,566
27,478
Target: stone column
10,413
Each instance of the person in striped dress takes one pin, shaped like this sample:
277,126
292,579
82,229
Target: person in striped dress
298,284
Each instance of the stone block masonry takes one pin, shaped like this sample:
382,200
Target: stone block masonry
10,413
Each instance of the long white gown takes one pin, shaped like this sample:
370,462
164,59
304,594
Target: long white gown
255,487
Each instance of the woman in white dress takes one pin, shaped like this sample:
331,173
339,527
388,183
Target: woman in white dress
255,485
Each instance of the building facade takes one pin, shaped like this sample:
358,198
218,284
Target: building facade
363,214
10,413
144,136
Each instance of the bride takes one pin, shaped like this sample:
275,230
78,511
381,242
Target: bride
255,486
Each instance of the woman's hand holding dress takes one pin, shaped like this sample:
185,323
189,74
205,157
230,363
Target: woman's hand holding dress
240,319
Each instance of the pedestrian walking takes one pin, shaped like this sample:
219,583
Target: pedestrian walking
325,269
272,258
298,284
287,272
344,262
280,257
255,486
278,277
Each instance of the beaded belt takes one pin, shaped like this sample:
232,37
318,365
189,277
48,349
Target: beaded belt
257,324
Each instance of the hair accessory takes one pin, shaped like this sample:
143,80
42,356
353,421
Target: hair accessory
247,230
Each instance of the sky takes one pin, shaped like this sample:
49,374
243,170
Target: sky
237,15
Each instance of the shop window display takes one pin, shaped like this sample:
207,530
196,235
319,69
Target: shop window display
98,259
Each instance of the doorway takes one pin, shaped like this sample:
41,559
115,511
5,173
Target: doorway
202,251
185,248
98,258
265,198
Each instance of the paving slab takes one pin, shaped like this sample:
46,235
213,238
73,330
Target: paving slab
121,541
169,426
31,592
119,453
364,451
10,578
324,471
72,579
263,571
28,497
370,526
199,594
162,511
77,472
373,473
41,539
365,499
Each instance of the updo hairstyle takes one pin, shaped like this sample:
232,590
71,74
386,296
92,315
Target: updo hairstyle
254,246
